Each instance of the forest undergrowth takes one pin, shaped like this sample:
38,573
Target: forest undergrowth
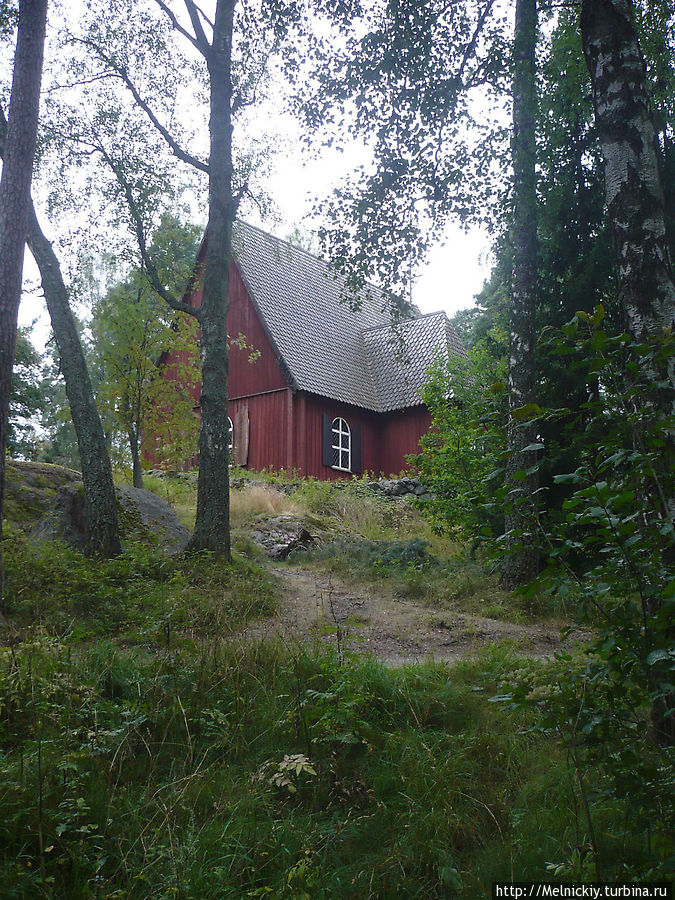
146,752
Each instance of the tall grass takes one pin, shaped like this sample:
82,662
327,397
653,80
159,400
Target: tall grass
257,500
213,769
147,751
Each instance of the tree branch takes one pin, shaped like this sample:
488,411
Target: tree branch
79,82
202,40
121,73
204,16
139,228
471,46
178,27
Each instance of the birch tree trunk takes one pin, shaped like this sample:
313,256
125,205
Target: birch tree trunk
635,201
100,502
632,183
521,559
135,449
15,185
212,524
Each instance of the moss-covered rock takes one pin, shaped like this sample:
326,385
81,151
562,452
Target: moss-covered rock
47,503
30,489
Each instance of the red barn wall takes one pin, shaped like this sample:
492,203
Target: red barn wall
386,439
309,410
250,377
246,377
285,432
268,429
400,435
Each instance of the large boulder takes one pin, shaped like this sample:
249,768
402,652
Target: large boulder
143,516
30,489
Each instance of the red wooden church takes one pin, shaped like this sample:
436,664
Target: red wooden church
333,392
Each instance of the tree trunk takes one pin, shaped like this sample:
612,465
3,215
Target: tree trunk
99,490
632,181
521,558
635,201
136,470
212,525
15,184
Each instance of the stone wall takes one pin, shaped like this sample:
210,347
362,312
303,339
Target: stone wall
386,487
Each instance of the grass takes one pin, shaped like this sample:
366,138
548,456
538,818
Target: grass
148,752
363,535
206,768
58,589
259,500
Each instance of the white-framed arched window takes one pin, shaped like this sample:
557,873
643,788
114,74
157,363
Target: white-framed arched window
341,445
230,439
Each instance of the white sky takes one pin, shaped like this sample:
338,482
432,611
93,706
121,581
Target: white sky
454,272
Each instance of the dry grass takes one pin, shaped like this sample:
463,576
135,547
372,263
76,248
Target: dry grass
260,500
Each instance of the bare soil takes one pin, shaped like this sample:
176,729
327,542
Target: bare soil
364,619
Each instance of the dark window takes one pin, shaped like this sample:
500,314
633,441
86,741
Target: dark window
341,445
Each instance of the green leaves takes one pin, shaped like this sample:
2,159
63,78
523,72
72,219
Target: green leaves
659,656
132,329
612,550
461,455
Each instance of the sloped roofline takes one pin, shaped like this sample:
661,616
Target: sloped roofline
279,287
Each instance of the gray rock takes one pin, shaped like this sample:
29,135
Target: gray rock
143,517
280,535
397,487
156,518
64,519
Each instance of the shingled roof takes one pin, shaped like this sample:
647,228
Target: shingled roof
358,357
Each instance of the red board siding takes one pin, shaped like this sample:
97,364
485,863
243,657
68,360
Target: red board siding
385,440
249,377
246,377
268,431
400,435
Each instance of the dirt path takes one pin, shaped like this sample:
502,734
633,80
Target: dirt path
316,606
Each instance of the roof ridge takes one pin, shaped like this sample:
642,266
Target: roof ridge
394,324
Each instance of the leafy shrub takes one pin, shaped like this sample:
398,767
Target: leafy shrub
462,454
381,557
611,550
413,554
